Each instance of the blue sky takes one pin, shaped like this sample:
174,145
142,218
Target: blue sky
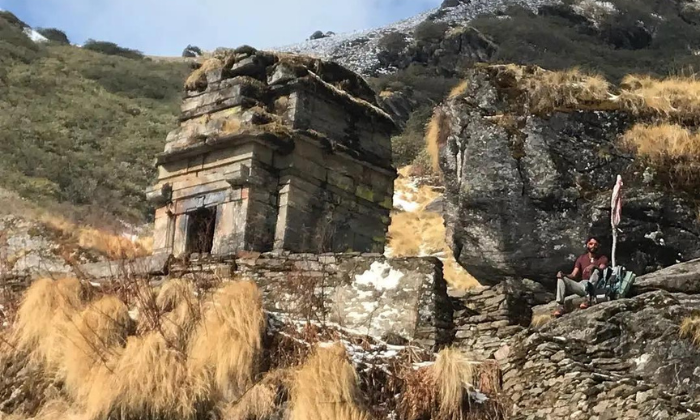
165,27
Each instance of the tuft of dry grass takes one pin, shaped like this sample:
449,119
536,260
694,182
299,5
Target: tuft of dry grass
105,243
459,89
454,376
225,349
540,320
690,328
47,306
91,340
436,135
441,390
676,98
262,401
671,149
178,303
564,90
326,387
57,409
197,80
149,380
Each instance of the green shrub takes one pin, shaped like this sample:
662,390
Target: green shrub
84,127
393,42
110,48
430,31
55,35
407,146
12,19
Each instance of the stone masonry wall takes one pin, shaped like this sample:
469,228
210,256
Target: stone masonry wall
400,300
486,317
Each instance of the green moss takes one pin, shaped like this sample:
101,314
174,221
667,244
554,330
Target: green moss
365,192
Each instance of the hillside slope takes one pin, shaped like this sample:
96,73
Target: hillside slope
82,127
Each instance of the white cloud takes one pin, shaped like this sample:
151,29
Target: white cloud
167,26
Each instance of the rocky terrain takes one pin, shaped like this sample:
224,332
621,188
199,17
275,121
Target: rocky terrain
527,158
529,178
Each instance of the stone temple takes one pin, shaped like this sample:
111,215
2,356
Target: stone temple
274,152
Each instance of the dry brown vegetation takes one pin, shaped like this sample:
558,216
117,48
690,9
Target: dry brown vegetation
673,151
326,387
95,365
418,232
436,134
675,98
444,389
103,242
690,328
168,370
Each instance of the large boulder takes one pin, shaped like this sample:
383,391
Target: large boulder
525,189
617,360
683,278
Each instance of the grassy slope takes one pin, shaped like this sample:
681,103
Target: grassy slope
81,127
556,40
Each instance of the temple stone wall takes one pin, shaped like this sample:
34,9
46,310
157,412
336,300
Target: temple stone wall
402,299
290,153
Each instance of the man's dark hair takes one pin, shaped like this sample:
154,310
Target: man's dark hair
593,237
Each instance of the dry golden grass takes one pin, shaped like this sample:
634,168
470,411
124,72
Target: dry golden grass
91,341
420,232
671,149
105,243
225,349
326,388
690,328
454,376
676,98
149,379
197,80
57,409
441,390
436,134
178,303
47,306
663,142
459,89
540,320
261,401
565,90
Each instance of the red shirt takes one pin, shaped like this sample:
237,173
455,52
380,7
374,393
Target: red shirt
586,264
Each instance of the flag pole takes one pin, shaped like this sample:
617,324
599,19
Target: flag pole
615,214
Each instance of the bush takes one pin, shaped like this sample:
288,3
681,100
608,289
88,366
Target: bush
192,51
407,146
12,19
430,31
393,42
55,35
110,48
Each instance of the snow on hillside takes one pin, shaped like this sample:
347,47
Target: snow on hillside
31,33
34,35
358,50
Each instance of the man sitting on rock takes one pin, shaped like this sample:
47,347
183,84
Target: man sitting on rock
585,267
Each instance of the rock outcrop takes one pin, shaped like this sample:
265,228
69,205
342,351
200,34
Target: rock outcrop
525,186
617,360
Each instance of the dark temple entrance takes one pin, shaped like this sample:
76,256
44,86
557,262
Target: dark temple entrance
200,231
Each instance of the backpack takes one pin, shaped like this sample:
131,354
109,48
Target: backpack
613,283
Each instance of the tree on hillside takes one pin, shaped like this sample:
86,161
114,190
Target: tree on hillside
192,51
55,35
110,48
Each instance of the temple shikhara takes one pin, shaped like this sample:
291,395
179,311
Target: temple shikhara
274,152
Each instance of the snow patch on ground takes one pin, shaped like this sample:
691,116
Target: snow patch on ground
34,35
381,276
